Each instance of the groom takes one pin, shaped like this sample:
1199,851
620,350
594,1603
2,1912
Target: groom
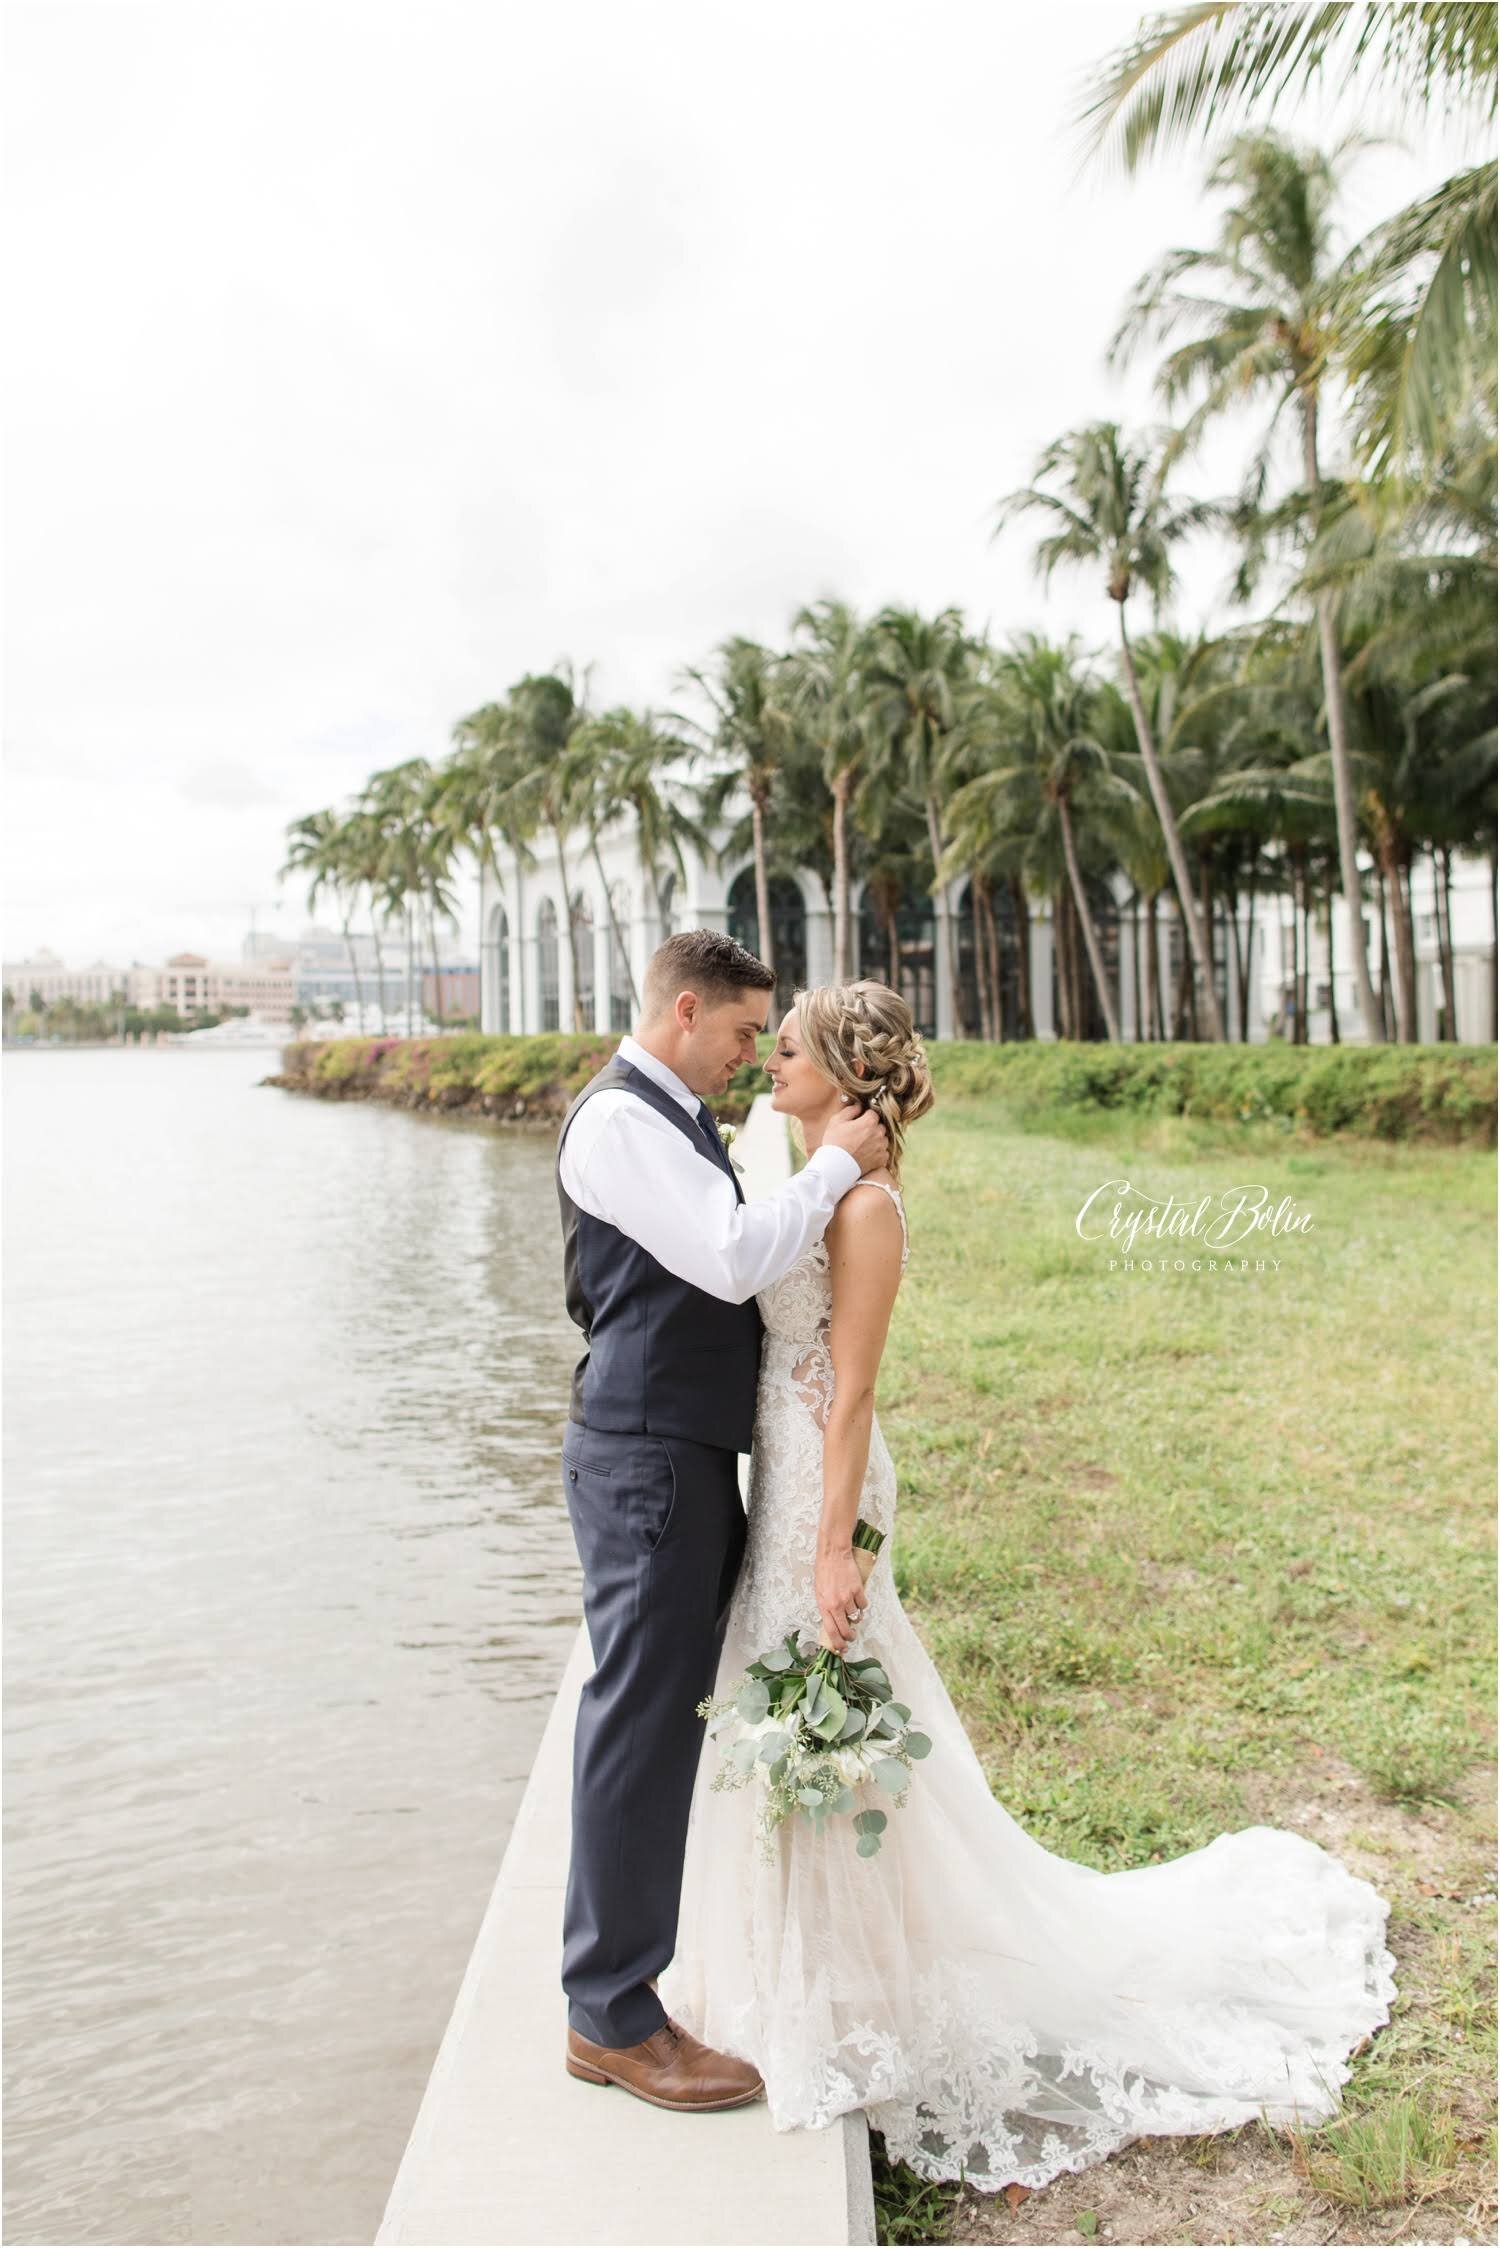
662,1258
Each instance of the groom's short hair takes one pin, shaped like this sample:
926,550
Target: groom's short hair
703,960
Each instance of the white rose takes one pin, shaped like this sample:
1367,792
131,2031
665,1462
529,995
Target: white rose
850,1766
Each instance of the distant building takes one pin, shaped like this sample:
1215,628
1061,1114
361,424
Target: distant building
46,974
190,981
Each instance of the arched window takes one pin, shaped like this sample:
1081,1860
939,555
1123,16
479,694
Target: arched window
546,964
898,945
620,1009
583,953
788,932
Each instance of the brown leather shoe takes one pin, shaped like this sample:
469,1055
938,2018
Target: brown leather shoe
670,2068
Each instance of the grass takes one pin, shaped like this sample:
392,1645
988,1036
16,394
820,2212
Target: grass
1196,1550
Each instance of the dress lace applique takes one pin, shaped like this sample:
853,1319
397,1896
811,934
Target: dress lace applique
1001,2013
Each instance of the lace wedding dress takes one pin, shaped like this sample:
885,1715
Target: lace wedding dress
1001,2013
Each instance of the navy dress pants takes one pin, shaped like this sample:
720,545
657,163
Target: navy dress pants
660,1530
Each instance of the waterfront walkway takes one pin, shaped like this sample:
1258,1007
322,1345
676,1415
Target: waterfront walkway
508,2148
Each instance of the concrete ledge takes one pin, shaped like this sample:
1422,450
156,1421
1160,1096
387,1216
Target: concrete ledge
508,2148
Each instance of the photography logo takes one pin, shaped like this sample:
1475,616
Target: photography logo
1228,1233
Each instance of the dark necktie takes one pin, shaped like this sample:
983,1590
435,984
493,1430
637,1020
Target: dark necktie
710,1131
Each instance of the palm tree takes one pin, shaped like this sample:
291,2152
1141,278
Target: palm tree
614,769
363,851
912,673
1274,317
489,778
1114,514
1034,711
1194,69
824,668
545,711
394,801
318,846
749,696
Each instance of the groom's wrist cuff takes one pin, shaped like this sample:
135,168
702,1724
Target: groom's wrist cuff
838,1164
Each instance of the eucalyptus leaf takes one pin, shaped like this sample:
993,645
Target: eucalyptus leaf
777,1659
898,1709
891,1776
867,1845
772,1746
753,1702
869,1822
853,1725
742,1755
918,1745
843,1801
809,1796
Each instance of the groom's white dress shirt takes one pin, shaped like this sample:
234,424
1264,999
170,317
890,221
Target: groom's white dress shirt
625,1163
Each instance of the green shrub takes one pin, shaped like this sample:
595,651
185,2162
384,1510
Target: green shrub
1441,1093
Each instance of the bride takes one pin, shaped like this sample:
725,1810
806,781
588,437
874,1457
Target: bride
1002,2014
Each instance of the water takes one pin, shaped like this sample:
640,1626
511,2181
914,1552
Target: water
289,1584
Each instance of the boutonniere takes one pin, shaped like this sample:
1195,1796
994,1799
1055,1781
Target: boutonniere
728,1133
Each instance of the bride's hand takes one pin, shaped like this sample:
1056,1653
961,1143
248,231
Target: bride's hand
840,1592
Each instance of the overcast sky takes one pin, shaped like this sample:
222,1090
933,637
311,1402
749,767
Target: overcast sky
362,358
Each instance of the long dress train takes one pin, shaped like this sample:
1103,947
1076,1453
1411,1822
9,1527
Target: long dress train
1003,2014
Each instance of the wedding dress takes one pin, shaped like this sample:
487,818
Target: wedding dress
1001,2013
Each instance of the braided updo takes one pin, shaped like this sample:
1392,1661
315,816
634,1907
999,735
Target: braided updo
861,1036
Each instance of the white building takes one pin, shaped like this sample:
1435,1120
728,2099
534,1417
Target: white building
527,976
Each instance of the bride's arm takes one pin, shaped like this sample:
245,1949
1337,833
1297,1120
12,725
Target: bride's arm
864,1258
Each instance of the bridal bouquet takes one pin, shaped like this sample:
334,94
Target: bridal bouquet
813,1728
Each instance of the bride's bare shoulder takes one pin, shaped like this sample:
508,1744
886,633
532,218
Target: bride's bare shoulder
866,1225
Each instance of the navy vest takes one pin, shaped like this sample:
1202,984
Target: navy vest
664,1358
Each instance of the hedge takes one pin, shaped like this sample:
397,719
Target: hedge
1439,1093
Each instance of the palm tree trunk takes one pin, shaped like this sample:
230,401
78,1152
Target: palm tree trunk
762,883
1387,1011
1338,746
841,949
1182,996
437,966
1248,968
1442,898
1493,856
1236,957
624,949
1086,925
1335,1037
992,954
947,950
1135,959
1170,836
359,1004
1022,905
572,919
1154,1024
981,956
379,965
410,972
1304,988
1406,954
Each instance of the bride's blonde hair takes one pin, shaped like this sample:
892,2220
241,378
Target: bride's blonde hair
861,1036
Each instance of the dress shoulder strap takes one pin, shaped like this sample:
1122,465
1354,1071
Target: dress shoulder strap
895,1194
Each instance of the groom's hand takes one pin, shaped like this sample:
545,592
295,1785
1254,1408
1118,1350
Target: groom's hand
861,1134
